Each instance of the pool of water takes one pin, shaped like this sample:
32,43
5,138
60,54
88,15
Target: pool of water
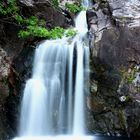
76,138
114,138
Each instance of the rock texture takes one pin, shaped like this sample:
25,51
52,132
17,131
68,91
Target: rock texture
114,103
126,12
10,46
43,9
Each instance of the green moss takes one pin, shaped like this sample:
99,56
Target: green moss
130,79
8,7
57,32
35,31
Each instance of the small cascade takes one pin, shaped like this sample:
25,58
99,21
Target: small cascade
53,100
44,97
79,83
87,3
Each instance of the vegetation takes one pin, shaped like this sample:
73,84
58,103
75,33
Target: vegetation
55,33
8,7
71,32
55,3
31,26
74,8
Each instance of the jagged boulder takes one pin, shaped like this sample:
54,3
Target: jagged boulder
114,31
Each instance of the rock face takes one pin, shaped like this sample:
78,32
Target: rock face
10,46
126,13
114,103
44,9
16,58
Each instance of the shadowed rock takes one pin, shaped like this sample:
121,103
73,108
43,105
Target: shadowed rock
115,46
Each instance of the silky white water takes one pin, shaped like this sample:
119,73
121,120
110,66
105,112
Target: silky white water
53,99
87,3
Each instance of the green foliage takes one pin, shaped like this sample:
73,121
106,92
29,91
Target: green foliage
34,31
130,79
37,31
23,34
32,26
74,8
57,32
55,3
9,7
71,32
32,21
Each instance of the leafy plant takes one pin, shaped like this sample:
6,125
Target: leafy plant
71,32
74,8
57,32
34,31
8,7
31,26
55,3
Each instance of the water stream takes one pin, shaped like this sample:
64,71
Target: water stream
53,99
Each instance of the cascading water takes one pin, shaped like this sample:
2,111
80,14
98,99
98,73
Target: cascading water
44,96
87,3
53,101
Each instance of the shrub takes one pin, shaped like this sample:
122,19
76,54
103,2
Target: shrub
71,32
31,26
55,3
73,8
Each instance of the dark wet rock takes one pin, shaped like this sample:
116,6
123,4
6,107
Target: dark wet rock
20,72
120,47
10,46
45,10
115,47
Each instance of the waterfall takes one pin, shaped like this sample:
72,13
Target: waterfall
87,3
44,98
79,85
53,99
